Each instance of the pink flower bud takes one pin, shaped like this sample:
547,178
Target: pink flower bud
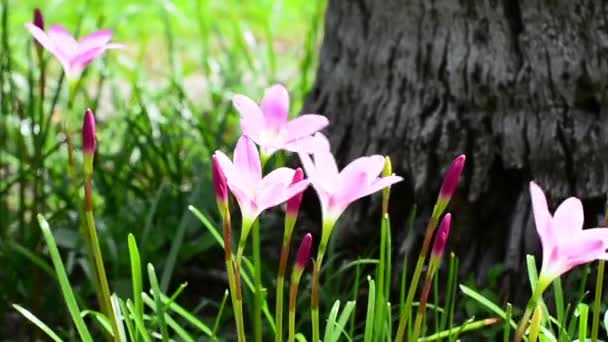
441,239
38,20
293,204
303,252
89,141
219,182
450,182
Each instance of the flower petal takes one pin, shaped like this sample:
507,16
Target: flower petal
275,106
280,194
282,176
305,125
378,185
96,39
252,118
247,160
568,218
308,145
371,166
542,217
41,37
63,39
226,165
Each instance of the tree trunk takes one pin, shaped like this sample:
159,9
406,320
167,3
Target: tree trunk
518,86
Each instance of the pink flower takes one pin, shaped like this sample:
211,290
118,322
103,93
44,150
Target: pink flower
73,55
293,204
244,177
338,189
450,182
267,124
565,243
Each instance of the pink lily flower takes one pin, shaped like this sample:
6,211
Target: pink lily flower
244,177
73,55
267,124
565,243
338,189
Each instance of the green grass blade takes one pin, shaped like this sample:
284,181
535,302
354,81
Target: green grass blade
126,317
355,296
136,277
188,316
210,227
487,303
583,312
64,283
158,303
342,321
154,305
369,319
331,321
506,329
218,317
30,317
139,322
455,331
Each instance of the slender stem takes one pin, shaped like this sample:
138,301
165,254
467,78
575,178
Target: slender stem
293,294
257,266
541,285
234,285
405,315
597,302
280,285
314,298
428,281
98,258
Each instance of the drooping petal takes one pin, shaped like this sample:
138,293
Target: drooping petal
305,125
252,118
96,39
63,39
568,218
275,106
542,217
247,159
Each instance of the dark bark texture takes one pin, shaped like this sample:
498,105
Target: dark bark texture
519,86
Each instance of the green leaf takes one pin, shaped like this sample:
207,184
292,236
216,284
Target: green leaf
136,277
158,304
331,321
369,319
45,328
64,283
487,303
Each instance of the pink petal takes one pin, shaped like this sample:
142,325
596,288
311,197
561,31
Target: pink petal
226,165
275,106
281,195
378,185
63,39
351,186
568,218
371,166
282,176
582,250
252,118
41,37
96,39
247,203
326,165
309,144
305,125
542,217
247,160
79,62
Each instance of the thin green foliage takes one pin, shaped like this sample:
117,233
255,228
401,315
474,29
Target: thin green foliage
30,317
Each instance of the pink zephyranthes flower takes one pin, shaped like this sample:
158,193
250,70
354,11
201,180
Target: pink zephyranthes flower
565,243
244,177
267,124
338,189
73,55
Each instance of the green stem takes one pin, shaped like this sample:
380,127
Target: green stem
98,266
289,224
314,298
257,266
233,281
293,294
541,285
597,302
405,315
428,281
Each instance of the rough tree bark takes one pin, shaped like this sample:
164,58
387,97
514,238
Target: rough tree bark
519,86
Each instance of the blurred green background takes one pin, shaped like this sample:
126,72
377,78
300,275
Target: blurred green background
163,106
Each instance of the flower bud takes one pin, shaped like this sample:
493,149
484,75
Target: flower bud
303,252
450,182
386,192
441,239
38,19
293,204
89,141
219,183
